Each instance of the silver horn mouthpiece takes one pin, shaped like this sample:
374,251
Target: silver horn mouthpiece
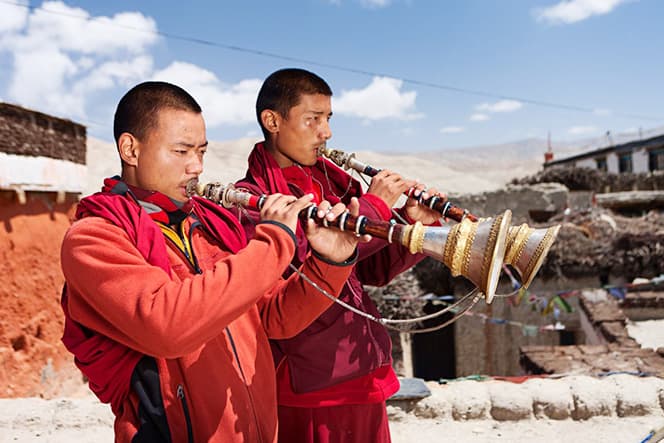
193,188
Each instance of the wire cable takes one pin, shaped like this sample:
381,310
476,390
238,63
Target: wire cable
412,81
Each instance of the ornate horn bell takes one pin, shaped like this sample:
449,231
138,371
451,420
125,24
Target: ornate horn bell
474,250
527,248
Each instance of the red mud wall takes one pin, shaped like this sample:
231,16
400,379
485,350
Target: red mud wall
33,361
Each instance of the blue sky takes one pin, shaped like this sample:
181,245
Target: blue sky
408,75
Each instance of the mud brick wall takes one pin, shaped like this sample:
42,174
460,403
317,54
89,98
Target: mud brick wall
591,359
31,133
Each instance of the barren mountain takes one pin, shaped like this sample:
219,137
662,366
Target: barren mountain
455,171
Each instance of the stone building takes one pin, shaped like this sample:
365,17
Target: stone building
595,248
39,152
638,156
42,173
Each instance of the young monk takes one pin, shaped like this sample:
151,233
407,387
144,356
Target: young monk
333,378
168,307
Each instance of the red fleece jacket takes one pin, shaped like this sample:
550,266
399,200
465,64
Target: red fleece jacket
208,332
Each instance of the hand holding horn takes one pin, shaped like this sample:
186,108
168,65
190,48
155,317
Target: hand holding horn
474,250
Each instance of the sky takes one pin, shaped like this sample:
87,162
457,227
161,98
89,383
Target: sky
407,75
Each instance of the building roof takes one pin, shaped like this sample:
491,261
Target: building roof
40,152
31,133
635,144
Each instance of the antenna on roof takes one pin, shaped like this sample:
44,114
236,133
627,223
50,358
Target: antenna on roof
548,155
608,137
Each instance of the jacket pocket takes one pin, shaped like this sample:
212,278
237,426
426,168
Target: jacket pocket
187,417
151,414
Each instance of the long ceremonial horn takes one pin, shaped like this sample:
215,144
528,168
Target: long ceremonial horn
474,250
526,247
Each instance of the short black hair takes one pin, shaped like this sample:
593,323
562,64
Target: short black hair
282,90
138,109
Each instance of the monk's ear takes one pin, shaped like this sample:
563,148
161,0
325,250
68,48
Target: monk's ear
270,120
128,147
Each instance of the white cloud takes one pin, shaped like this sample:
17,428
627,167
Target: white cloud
74,30
479,117
500,106
62,55
13,17
601,111
221,103
370,4
29,84
381,99
452,129
375,3
572,11
86,62
112,73
582,130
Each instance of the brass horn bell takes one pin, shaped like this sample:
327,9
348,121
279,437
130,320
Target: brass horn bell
474,250
527,248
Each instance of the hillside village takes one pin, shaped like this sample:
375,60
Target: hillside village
603,277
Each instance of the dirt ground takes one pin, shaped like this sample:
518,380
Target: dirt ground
33,420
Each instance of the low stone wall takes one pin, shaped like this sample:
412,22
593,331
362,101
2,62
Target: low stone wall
528,203
487,406
573,397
